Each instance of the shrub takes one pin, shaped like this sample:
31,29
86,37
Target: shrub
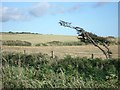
58,43
16,43
37,72
41,44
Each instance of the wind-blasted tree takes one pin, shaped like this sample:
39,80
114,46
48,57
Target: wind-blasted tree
85,36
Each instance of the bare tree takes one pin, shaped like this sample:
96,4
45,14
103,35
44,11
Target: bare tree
83,35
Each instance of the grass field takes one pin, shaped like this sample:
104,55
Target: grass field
60,51
33,67
37,38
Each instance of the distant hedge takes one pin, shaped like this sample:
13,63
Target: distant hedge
10,32
16,43
58,43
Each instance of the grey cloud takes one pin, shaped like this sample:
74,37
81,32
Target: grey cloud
45,8
74,8
14,14
101,3
20,14
61,10
40,9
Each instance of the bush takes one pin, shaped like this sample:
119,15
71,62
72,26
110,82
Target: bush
41,44
36,71
16,43
58,43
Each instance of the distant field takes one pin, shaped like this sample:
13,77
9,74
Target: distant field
37,38
61,51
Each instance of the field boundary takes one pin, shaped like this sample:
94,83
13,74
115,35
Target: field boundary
61,51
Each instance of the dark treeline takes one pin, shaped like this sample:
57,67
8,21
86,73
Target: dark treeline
10,32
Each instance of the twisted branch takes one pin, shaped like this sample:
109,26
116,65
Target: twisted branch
83,33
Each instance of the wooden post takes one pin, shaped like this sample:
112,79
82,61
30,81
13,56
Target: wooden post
110,55
19,62
24,51
52,54
92,55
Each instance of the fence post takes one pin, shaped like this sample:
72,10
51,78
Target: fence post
19,61
52,54
92,55
24,51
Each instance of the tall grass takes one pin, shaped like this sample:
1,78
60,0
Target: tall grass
42,71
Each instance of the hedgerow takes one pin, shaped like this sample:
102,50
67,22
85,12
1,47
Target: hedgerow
16,43
36,71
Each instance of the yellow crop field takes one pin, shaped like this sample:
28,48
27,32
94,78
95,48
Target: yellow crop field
38,38
60,51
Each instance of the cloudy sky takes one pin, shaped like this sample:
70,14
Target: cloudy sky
100,18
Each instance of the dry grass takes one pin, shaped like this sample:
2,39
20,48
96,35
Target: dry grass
37,38
61,51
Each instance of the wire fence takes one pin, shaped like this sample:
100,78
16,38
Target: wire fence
59,52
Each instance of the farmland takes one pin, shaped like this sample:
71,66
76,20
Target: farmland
72,66
60,51
64,45
38,38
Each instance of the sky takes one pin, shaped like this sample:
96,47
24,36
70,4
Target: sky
100,18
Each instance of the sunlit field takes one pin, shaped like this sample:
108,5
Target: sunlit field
71,67
37,38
